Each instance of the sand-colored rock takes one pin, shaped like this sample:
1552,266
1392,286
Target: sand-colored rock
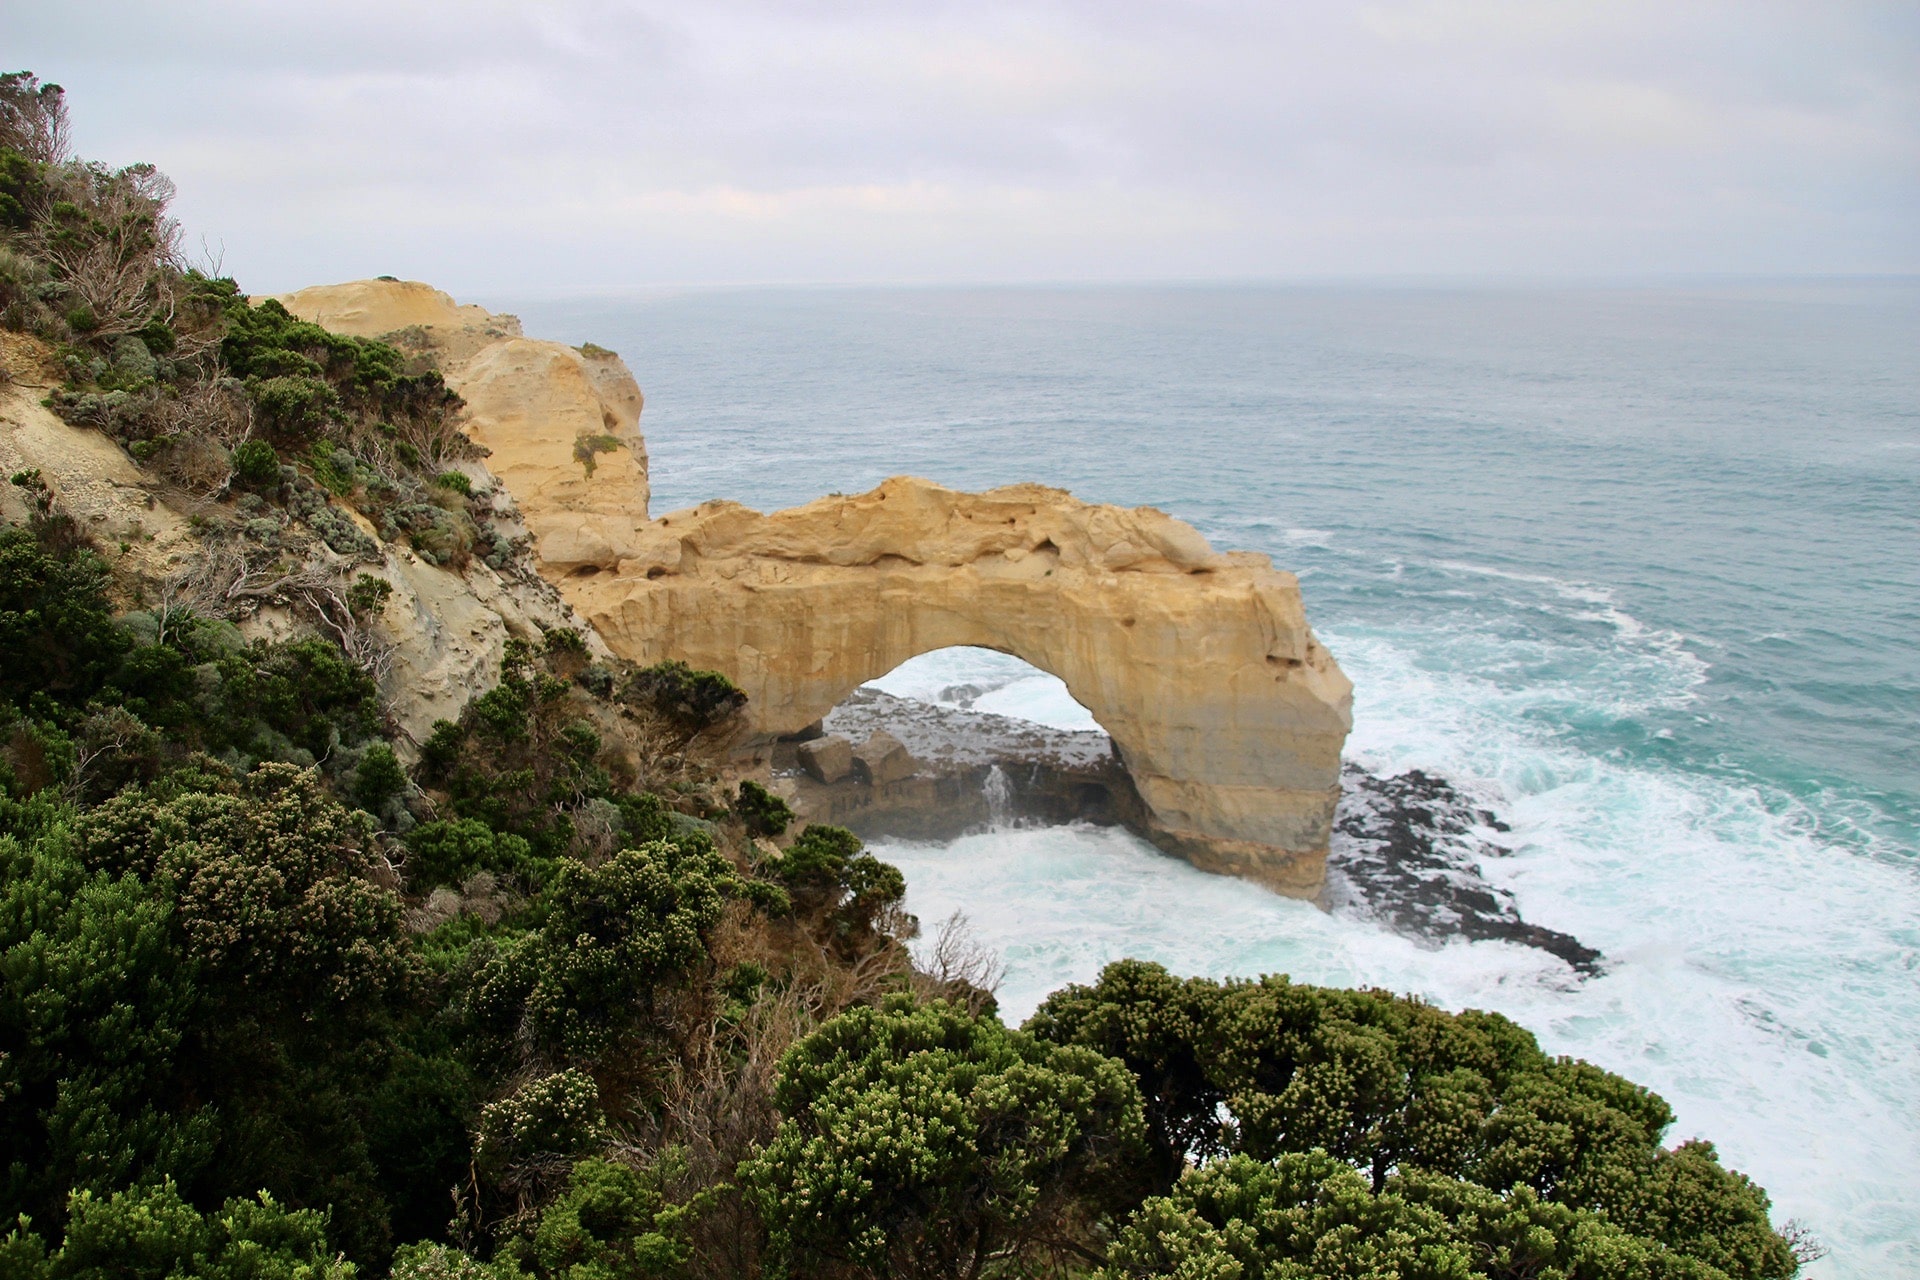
449,630
561,424
885,758
827,759
1228,712
121,508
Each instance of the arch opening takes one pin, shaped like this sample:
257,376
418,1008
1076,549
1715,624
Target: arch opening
990,682
955,740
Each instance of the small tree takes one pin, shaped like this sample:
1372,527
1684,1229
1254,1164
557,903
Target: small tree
33,117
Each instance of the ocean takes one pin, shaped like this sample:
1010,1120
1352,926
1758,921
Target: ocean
1636,569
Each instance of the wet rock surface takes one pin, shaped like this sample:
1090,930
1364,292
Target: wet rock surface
1407,852
946,737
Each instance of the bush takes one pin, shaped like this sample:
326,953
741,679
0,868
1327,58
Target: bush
620,944
56,624
447,852
150,1233
612,1221
763,813
923,1141
255,464
846,893
556,1114
1378,1086
379,777
294,409
693,701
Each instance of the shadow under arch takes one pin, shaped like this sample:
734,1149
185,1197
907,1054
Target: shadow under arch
1228,713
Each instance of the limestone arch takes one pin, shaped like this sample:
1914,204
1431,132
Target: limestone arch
1228,713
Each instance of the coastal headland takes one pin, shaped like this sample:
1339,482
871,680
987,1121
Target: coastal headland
1226,712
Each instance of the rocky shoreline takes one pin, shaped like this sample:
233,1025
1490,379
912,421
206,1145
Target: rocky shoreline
1407,849
954,771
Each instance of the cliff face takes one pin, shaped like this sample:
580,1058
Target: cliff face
443,631
1228,712
561,424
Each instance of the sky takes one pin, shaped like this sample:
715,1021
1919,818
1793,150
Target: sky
593,146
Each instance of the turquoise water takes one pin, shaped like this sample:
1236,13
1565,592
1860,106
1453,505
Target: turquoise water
1641,568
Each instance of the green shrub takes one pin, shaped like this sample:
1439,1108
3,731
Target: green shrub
458,481
334,468
294,409
1377,1086
56,623
621,946
847,895
762,812
149,1233
587,448
924,1141
368,595
255,464
693,701
556,1114
613,1221
379,777
447,852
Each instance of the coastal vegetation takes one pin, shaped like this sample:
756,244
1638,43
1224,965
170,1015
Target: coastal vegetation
285,994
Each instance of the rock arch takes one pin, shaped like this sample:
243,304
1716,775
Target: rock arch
1228,713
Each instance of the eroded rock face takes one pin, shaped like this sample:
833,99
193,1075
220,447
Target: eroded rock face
1228,712
561,424
446,630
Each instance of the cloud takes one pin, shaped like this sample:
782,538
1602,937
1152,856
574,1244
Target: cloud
590,144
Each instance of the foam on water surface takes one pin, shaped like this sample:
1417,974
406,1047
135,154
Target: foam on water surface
1765,997
1764,1013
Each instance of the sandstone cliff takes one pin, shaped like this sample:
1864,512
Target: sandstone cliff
561,424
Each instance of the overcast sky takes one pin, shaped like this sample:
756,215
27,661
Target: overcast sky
596,145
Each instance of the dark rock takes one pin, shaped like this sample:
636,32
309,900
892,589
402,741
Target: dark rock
1407,851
